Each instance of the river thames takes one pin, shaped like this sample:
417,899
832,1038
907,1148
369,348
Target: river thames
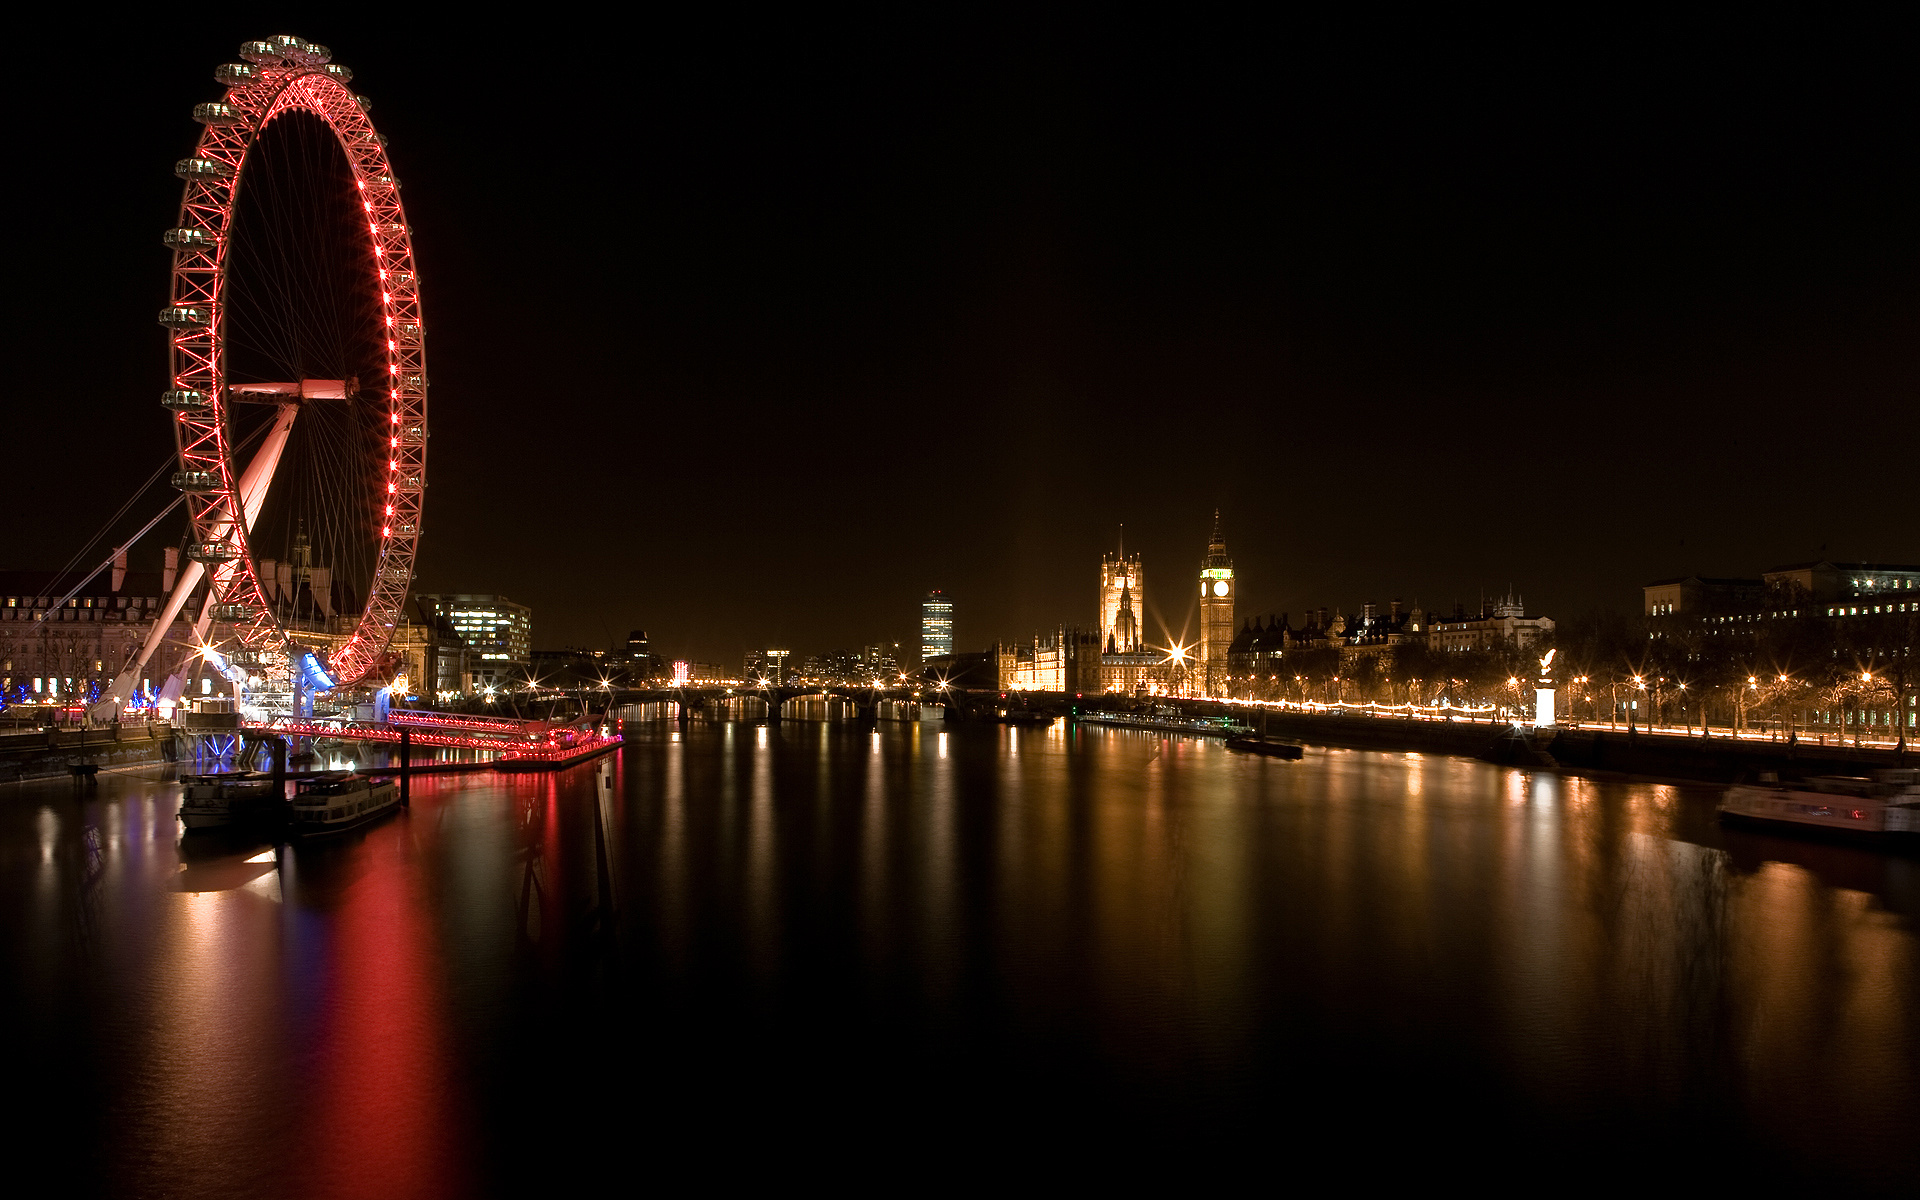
914,957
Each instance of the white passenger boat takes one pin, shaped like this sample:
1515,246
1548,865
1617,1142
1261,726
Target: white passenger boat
1886,803
226,798
326,806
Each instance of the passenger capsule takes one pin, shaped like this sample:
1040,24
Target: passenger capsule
186,316
189,239
232,612
183,400
217,114
211,552
204,169
307,54
235,74
413,383
196,481
366,105
342,73
265,54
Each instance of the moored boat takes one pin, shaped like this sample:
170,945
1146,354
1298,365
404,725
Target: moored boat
1886,803
339,803
1168,719
1255,744
226,798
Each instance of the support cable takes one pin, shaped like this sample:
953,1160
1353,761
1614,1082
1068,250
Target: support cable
90,576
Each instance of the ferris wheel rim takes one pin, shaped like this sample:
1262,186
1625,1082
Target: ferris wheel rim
286,75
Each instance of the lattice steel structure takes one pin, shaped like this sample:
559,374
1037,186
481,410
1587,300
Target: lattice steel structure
281,76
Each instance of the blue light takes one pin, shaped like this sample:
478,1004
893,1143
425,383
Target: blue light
313,674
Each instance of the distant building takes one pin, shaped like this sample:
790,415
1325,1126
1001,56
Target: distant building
1217,595
1127,664
1504,625
936,626
1698,594
769,665
433,657
1123,581
498,633
1844,589
1734,607
1069,661
882,658
77,649
640,666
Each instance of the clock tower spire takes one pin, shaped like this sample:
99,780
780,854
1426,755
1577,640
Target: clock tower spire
1216,613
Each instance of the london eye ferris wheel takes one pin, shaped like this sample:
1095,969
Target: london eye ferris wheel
298,386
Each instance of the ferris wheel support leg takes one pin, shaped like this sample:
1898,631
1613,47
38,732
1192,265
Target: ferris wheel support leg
253,485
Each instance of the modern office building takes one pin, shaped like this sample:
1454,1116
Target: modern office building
936,626
498,633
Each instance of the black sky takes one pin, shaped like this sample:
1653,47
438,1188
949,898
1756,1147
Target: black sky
750,333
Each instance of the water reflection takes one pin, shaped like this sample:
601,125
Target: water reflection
1126,938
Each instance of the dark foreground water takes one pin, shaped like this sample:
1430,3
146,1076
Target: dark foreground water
827,955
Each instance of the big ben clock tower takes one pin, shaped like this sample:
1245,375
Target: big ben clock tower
1216,613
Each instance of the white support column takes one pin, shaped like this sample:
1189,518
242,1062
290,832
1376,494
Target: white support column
253,485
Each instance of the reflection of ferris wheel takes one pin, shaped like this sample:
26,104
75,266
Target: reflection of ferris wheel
295,320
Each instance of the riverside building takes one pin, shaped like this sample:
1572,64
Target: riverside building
498,633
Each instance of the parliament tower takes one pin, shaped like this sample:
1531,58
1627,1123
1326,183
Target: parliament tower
1120,575
1216,613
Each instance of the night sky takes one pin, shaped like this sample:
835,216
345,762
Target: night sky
749,334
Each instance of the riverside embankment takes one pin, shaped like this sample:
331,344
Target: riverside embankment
1586,750
43,753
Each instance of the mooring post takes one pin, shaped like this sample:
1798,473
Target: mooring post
406,774
279,749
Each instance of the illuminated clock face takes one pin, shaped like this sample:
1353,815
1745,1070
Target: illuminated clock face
1219,587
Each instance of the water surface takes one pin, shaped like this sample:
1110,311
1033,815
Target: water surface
830,952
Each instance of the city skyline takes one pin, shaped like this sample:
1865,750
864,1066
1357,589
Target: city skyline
1221,261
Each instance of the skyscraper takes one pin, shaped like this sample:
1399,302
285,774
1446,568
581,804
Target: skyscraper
1120,573
1216,613
936,625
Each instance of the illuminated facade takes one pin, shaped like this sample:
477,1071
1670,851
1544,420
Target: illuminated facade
1503,625
936,626
50,654
1217,595
1122,582
498,633
1070,661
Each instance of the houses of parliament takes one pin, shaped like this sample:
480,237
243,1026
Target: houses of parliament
1119,657
1241,661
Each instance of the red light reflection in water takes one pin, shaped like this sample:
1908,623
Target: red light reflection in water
384,1119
